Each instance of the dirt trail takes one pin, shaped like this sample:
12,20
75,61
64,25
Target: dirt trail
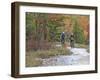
79,57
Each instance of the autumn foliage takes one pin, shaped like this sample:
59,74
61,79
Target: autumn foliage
43,29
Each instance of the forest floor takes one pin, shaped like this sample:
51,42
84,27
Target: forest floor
59,56
79,57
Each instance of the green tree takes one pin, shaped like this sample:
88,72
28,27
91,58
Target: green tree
54,25
78,33
30,25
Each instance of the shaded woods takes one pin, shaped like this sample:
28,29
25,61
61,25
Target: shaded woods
43,30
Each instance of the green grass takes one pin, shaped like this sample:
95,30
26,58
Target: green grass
33,58
80,46
31,61
48,53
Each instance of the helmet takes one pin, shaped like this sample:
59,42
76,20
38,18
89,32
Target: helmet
63,32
